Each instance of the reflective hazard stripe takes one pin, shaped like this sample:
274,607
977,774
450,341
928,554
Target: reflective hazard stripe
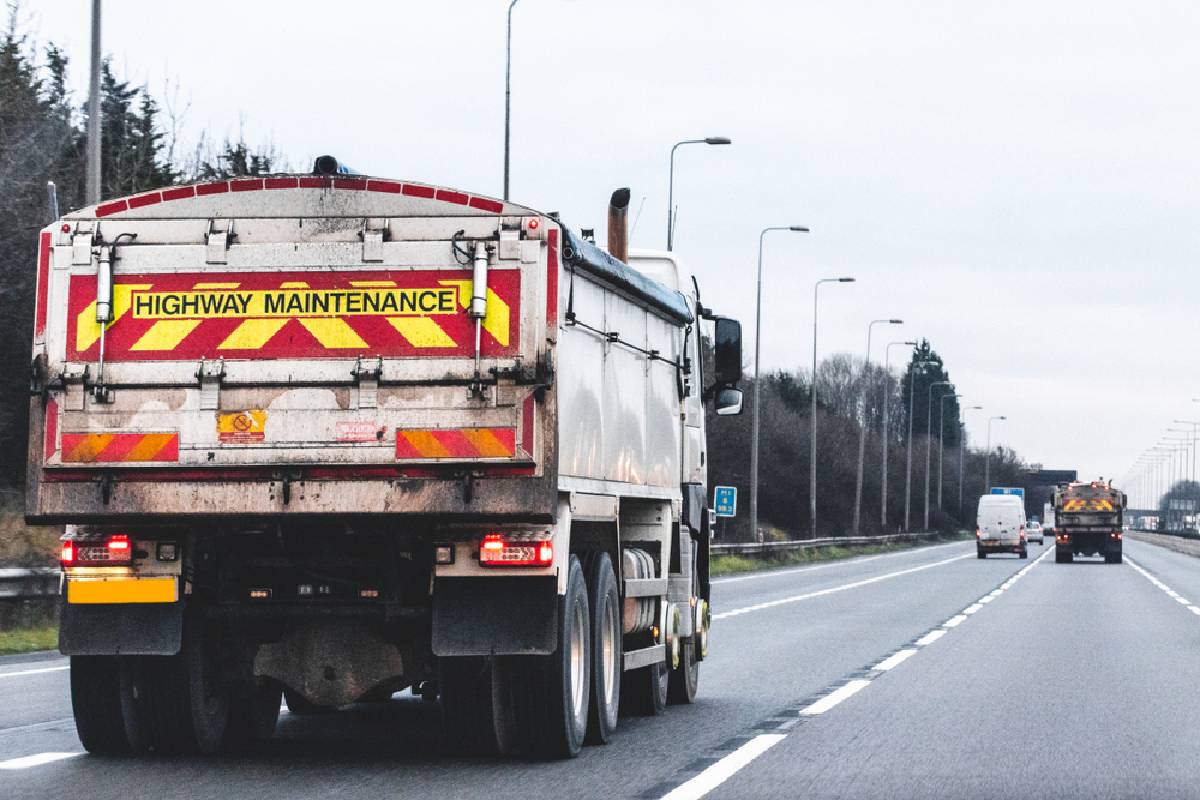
422,443
119,448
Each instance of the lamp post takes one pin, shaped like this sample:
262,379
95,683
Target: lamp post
1178,446
671,180
942,443
862,429
92,173
1190,479
757,371
929,441
812,414
887,394
987,461
507,92
962,435
912,380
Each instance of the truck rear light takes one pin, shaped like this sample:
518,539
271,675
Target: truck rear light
114,550
1063,538
977,533
443,554
1116,535
516,550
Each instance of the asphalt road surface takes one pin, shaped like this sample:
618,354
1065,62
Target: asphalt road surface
920,674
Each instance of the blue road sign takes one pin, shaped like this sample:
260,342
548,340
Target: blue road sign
725,501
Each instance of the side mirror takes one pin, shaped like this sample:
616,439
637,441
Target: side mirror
729,402
727,347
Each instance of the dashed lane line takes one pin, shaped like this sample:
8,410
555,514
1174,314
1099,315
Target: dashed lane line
1167,590
38,671
742,750
36,760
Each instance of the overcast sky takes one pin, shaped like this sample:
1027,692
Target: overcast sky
1018,180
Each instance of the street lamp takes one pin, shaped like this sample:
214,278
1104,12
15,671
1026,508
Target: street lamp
862,429
757,370
929,441
987,461
671,180
883,477
912,380
812,414
507,93
942,443
962,430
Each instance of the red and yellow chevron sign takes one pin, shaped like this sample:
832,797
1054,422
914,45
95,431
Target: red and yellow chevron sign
119,448
1093,504
415,443
293,315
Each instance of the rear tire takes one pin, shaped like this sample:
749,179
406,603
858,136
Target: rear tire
96,702
685,680
644,690
541,702
254,713
607,658
1113,558
1024,552
980,554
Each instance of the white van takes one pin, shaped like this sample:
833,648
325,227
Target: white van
1000,525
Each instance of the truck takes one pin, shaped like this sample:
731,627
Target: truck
1088,521
1048,517
328,437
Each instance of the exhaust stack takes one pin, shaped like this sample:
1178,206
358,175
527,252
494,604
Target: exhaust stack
618,225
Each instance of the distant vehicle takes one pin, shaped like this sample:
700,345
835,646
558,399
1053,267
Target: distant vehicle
1013,490
1048,517
1034,530
1088,521
1001,525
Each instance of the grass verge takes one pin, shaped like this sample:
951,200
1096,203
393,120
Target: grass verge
733,564
27,640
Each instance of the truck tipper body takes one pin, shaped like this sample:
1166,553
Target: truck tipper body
334,436
1088,521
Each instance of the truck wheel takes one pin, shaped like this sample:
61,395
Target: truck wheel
542,702
979,553
465,687
208,696
1024,552
644,690
96,703
1112,558
685,680
607,658
254,713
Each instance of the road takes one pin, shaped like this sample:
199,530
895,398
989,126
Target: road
926,673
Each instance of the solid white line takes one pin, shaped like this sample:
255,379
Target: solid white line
772,573
821,593
895,659
931,637
836,696
33,671
723,770
25,762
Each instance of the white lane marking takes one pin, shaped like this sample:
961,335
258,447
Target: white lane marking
895,659
25,762
834,589
955,621
33,671
931,637
971,609
772,573
836,696
1167,590
723,770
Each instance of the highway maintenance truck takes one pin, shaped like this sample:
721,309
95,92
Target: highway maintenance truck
329,437
1087,521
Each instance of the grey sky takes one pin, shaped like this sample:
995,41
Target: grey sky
1016,180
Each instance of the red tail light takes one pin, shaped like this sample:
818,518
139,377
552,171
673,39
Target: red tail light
516,550
67,557
1117,535
977,533
114,550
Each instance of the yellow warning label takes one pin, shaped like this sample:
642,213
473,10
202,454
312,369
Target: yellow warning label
242,426
293,303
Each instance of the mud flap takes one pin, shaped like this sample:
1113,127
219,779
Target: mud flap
120,629
501,616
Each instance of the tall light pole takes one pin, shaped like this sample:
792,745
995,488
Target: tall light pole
929,441
757,373
942,443
987,461
1190,480
812,414
962,435
1179,448
887,393
862,428
671,181
507,93
92,175
912,380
